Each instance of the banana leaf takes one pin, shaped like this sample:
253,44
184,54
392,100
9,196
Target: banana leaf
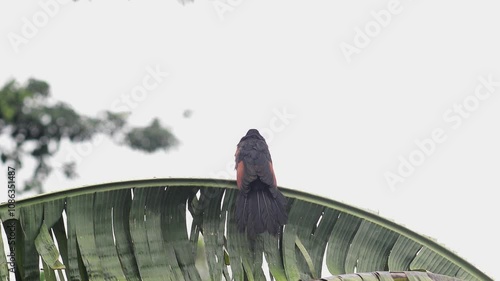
391,276
151,230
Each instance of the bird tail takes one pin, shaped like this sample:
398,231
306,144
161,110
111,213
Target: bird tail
260,208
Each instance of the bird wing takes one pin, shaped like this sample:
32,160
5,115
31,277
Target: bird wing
253,161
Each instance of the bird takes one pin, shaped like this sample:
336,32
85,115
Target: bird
259,205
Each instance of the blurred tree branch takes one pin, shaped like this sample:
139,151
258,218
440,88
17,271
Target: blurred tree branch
35,128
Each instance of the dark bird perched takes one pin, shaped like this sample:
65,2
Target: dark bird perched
260,206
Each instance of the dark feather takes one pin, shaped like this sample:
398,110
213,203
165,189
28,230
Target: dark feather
260,209
260,206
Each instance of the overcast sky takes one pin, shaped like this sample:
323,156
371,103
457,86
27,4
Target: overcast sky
391,106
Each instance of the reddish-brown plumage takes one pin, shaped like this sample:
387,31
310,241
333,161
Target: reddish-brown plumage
260,206
240,170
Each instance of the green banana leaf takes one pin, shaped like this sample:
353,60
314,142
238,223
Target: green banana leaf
390,276
151,230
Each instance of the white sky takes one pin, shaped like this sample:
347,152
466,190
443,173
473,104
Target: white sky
334,127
